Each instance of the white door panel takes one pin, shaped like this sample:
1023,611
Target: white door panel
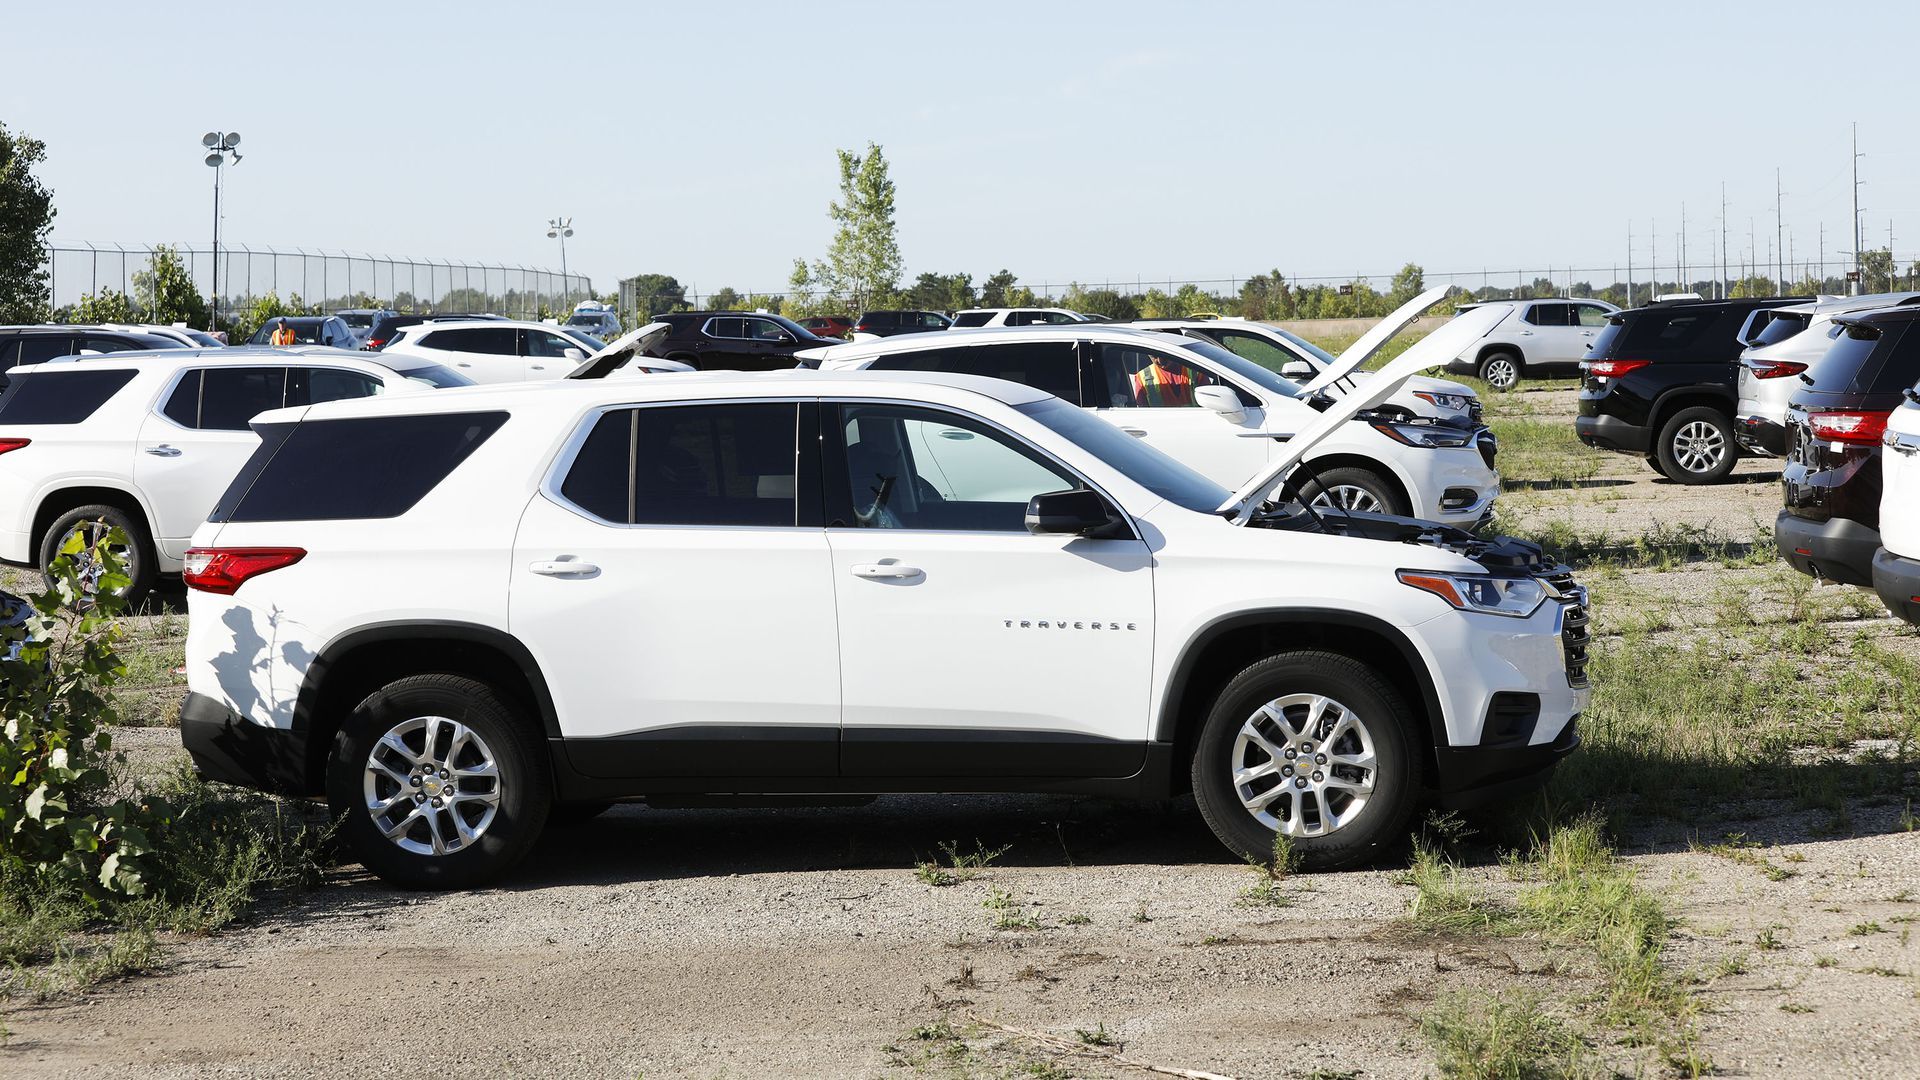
1900,464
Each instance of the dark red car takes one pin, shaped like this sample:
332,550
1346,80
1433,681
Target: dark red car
828,325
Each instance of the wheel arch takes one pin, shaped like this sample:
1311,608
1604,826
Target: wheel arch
360,662
62,499
1386,470
1228,645
1490,347
1686,397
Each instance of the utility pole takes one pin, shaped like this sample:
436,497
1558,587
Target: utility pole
1823,258
1653,258
1779,247
1629,302
1853,287
1683,247
1723,239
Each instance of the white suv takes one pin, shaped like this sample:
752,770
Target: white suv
974,318
147,441
455,613
1531,338
1218,413
492,350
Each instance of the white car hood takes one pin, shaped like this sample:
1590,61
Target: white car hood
1370,342
622,349
1435,349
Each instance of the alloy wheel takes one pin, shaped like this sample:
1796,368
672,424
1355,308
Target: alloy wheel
1699,446
432,786
1501,374
1349,497
1303,765
88,569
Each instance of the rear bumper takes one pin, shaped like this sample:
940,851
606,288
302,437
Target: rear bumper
1612,433
1760,434
228,747
1837,549
1897,580
1475,775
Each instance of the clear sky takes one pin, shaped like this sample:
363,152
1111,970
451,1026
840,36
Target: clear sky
1088,141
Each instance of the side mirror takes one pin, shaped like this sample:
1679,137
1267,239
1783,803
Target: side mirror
1077,512
575,355
1222,400
1297,369
785,338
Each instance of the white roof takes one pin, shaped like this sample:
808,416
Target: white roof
938,388
235,355
962,335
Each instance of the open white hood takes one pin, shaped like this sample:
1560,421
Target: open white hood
1431,351
620,350
1362,350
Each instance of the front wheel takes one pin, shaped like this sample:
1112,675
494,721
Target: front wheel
438,782
1696,446
1353,488
1310,745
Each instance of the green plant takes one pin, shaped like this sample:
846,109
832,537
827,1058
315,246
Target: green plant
1445,903
1795,1007
1768,941
962,866
1508,1037
1097,1037
1078,918
1865,928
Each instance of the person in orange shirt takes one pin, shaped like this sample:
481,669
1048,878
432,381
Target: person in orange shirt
1158,385
283,334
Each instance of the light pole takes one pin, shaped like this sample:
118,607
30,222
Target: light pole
218,148
559,229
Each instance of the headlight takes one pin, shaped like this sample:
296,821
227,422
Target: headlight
1430,436
1450,402
1514,597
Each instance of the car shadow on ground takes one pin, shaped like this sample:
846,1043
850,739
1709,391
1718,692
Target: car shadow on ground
1769,477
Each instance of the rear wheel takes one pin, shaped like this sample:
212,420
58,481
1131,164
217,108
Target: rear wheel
1653,462
1353,488
1500,370
1696,446
91,524
438,782
1310,745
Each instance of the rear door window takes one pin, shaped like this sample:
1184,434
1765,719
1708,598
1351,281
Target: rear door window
1049,366
1550,314
59,397
1591,315
363,467
730,465
1133,377
232,396
1692,335
311,386
489,340
730,328
973,318
39,348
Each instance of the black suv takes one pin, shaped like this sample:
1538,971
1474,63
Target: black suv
889,323
734,340
38,344
1660,382
1830,526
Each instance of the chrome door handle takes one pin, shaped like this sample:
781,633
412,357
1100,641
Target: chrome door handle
1526,333
885,570
563,568
163,450
1138,433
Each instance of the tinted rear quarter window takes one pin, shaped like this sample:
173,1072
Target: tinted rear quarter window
1869,360
1050,366
59,397
1688,334
689,465
357,468
973,318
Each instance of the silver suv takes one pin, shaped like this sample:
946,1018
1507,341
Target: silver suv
1535,339
1781,343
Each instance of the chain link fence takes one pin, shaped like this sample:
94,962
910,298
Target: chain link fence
330,279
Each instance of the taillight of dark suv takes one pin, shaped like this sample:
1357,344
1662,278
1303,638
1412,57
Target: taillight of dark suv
1830,525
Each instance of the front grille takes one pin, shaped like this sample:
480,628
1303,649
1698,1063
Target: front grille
1474,409
1575,620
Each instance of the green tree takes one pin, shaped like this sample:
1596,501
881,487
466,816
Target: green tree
940,292
168,291
725,299
1876,271
655,294
26,215
1099,302
106,306
863,262
994,290
263,308
1266,296
1410,282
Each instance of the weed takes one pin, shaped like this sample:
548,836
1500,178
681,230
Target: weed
1007,913
1737,848
1443,903
1908,822
1768,941
1795,1007
1215,939
1825,962
964,980
1045,1070
1885,971
1097,1037
1140,913
1078,918
1731,965
1864,929
938,1031
1480,1035
962,866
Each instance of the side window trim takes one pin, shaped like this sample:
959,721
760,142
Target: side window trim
556,475
837,493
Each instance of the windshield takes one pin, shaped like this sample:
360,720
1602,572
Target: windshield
1144,465
1782,327
359,320
584,320
592,343
1318,356
1254,373
435,376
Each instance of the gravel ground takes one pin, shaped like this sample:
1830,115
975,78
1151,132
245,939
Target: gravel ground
801,943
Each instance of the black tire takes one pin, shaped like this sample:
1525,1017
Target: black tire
139,554
1693,436
1352,685
524,787
565,814
1344,484
1501,370
1653,462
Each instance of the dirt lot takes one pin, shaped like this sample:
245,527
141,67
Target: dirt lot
1107,937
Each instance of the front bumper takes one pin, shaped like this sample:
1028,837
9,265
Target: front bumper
1475,775
1760,434
1612,433
228,747
1837,549
1897,580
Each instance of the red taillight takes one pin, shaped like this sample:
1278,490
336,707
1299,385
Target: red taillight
224,570
8,446
860,328
1775,369
1613,369
1848,425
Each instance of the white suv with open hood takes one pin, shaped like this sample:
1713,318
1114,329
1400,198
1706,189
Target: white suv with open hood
719,586
1219,413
